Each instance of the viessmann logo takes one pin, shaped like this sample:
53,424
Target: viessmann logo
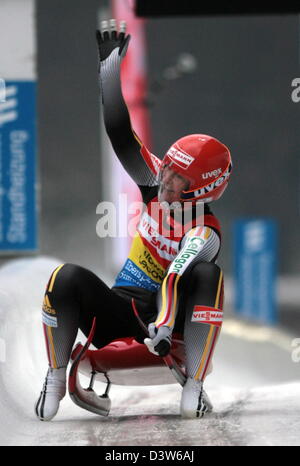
180,158
8,105
207,315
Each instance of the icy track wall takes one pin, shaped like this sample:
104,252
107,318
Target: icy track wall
254,386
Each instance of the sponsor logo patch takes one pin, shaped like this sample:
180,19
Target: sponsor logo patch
212,173
47,306
131,275
156,163
165,248
207,315
141,256
180,158
209,188
186,255
51,321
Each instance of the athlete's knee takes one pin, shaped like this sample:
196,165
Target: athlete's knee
206,284
70,271
205,271
64,277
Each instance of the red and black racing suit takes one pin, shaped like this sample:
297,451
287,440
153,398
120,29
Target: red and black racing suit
170,269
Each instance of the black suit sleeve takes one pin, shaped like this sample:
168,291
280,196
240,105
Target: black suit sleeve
124,140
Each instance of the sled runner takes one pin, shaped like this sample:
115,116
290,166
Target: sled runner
123,362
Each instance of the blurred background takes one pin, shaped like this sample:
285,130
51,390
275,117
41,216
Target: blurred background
228,76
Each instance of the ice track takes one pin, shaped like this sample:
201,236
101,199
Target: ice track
255,385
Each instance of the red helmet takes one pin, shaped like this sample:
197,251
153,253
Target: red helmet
204,161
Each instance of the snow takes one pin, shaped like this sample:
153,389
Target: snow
254,385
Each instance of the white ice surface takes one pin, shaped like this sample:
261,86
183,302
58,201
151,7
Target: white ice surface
254,386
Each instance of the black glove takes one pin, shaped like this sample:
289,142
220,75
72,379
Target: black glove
109,38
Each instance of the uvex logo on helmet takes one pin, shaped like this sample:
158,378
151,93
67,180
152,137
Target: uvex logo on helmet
211,174
205,162
208,189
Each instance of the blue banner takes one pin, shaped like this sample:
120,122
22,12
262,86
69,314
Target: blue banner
18,210
255,264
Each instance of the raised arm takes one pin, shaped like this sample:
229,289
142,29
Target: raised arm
134,157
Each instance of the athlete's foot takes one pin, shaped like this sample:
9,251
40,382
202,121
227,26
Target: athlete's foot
194,400
54,389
